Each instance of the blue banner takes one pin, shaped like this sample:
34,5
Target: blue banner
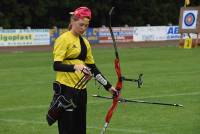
92,34
54,33
173,33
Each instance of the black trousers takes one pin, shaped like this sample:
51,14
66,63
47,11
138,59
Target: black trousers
73,121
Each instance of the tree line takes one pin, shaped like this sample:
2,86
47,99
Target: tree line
49,13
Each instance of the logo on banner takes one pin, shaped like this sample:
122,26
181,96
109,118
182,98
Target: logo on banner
189,19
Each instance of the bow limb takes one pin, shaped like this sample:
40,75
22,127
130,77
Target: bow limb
115,99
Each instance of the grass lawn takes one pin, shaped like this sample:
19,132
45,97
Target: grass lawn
171,75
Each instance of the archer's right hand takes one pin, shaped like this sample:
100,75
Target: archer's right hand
82,68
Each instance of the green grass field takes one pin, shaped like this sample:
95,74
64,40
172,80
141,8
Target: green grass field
171,75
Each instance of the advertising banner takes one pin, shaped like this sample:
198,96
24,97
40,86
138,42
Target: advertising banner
158,33
24,37
172,33
55,33
122,34
149,33
92,34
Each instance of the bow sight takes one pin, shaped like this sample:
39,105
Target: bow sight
139,81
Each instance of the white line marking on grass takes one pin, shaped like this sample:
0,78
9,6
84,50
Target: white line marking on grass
36,107
122,130
170,95
17,52
24,107
22,121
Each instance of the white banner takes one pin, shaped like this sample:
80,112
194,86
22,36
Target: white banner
158,33
122,34
149,33
24,37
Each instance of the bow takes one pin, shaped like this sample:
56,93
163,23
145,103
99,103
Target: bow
119,85
119,80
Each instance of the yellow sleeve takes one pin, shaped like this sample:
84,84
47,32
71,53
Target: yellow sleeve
60,48
89,58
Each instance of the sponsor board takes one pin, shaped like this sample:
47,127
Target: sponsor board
92,34
24,37
122,34
149,33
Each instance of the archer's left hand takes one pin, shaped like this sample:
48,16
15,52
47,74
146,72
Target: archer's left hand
113,91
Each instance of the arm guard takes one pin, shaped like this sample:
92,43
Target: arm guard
99,77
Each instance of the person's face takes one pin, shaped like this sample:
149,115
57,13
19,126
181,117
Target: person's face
79,26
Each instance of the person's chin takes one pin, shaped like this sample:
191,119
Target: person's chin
81,32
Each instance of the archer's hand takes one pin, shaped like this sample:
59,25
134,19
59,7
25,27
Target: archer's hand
82,68
113,91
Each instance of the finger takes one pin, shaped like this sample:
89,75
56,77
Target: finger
115,93
86,70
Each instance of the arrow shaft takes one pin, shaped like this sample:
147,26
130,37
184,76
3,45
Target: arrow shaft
122,100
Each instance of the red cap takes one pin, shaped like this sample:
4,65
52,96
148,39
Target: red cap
82,12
